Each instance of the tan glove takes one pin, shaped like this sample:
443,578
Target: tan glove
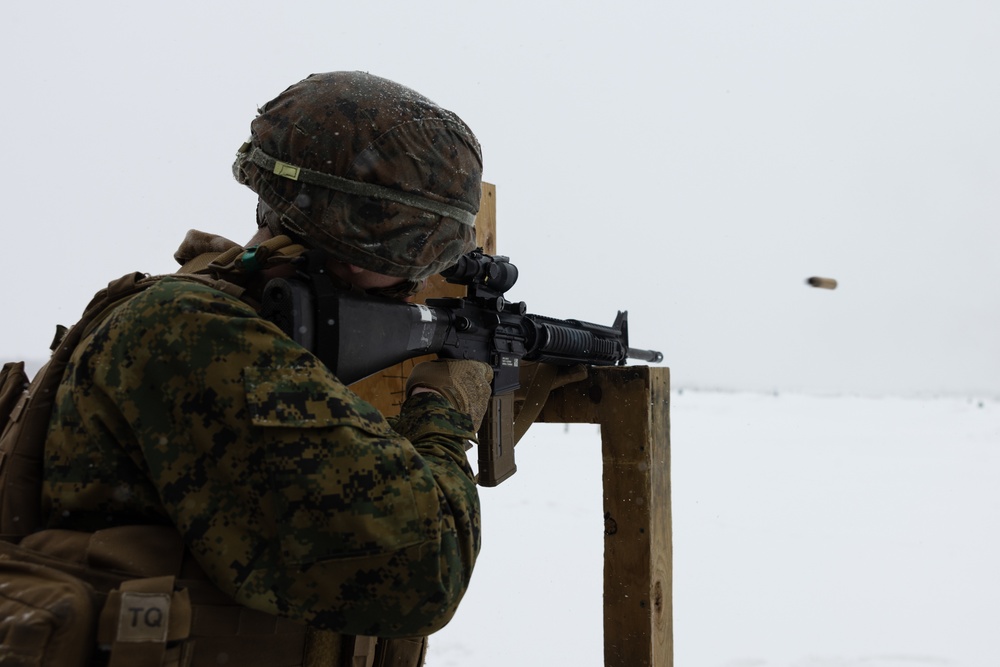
465,383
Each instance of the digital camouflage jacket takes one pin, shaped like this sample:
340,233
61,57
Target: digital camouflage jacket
184,407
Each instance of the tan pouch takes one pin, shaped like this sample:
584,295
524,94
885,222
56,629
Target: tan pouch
47,618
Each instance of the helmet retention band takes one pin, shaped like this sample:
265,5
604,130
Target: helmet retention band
351,187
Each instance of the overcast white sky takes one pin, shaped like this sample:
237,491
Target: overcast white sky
693,162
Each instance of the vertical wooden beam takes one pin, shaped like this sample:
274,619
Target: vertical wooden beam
631,403
635,434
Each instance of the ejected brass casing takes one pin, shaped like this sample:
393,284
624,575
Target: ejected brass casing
825,283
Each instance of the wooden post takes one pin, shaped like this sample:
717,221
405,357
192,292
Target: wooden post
631,403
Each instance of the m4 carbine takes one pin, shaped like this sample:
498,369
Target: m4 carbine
356,335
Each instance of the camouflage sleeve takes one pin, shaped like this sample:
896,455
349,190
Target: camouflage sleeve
297,497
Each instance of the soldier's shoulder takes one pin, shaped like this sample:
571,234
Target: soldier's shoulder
180,294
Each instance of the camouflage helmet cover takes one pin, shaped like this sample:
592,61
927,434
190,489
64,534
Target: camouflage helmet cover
371,171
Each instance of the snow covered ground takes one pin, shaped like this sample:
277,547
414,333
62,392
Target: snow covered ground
808,532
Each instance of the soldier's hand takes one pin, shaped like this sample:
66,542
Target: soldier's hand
465,383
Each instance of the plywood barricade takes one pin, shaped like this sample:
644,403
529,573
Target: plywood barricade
631,403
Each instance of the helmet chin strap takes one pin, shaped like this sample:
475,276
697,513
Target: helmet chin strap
266,217
400,291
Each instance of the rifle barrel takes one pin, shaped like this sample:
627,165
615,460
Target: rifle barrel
653,356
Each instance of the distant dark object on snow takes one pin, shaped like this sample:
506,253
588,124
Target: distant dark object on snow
825,283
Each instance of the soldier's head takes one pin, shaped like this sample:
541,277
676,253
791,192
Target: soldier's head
374,173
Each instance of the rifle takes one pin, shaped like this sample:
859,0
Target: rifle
356,335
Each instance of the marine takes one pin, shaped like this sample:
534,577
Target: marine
185,423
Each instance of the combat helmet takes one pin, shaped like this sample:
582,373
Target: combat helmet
371,171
